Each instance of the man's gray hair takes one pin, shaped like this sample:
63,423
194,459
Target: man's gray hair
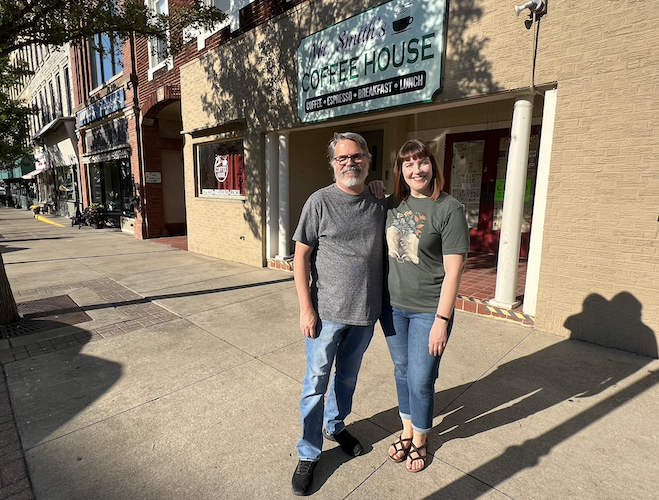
351,136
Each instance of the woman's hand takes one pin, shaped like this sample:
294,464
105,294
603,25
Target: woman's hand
438,337
377,188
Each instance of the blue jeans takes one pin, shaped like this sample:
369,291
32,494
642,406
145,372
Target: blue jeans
346,344
415,369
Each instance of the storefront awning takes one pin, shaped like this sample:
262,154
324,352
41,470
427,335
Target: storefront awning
52,126
33,174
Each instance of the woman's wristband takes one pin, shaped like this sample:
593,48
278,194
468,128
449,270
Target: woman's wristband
439,316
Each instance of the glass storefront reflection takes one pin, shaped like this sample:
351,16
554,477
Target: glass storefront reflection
111,185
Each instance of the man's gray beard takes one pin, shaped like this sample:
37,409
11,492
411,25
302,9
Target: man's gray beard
351,180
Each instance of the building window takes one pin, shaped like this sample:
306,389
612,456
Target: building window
223,5
111,185
158,49
34,118
43,106
221,169
105,58
65,183
60,105
67,89
47,106
53,102
232,9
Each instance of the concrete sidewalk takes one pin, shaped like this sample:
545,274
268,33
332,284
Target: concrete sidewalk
154,373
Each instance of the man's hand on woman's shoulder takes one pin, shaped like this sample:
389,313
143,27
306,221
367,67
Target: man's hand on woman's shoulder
377,188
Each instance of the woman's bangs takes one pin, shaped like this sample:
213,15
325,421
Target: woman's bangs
413,152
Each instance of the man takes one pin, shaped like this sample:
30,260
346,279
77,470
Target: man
338,268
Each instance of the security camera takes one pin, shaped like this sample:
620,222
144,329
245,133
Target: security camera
533,5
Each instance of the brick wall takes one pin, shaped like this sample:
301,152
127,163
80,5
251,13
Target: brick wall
227,228
600,256
153,145
251,16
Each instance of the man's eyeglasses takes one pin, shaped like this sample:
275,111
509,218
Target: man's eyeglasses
343,159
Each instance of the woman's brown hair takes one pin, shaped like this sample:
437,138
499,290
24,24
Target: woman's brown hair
415,149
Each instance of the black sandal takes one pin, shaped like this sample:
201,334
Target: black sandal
417,450
399,445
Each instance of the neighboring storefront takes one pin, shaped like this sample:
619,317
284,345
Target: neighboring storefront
58,166
500,98
107,171
129,123
20,187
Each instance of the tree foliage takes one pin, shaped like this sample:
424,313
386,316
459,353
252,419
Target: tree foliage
56,22
14,131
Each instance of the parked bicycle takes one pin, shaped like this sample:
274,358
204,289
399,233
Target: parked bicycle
93,215
80,218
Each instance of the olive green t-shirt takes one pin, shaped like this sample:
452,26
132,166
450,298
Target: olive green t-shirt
419,233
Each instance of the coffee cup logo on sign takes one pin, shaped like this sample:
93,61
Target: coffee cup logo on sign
221,168
404,21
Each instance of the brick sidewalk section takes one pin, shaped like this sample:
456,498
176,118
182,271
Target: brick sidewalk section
141,313
14,478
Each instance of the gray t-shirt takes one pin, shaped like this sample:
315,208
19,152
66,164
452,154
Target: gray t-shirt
347,233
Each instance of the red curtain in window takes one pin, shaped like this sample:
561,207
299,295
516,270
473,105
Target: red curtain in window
236,178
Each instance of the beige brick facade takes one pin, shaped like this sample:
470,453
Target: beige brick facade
599,275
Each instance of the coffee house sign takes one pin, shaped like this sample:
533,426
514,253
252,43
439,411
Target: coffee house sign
388,56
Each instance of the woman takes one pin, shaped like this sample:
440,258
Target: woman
427,241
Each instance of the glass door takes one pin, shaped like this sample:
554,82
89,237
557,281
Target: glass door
475,172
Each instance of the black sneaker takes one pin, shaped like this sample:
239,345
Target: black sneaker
303,477
347,442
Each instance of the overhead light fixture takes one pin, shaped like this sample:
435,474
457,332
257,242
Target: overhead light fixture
532,5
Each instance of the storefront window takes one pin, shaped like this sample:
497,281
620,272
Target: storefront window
504,147
95,185
466,177
65,183
127,207
111,185
221,169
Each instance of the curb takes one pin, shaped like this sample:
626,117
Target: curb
477,306
47,220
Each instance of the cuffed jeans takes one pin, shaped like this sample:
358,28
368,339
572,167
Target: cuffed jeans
346,344
415,369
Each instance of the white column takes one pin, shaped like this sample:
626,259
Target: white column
271,195
513,204
284,230
540,204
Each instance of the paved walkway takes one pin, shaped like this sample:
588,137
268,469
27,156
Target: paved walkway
144,372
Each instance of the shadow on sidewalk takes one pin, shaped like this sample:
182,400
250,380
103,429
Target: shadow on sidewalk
4,249
50,389
565,373
41,394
